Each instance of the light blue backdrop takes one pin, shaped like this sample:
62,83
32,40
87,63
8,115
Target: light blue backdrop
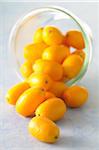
80,127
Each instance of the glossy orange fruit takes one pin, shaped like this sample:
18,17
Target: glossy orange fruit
37,38
40,80
33,52
75,39
58,88
52,68
29,101
53,108
15,92
75,96
80,53
72,66
52,35
26,69
44,129
56,53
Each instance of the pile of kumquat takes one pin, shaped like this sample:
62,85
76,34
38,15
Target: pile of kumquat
44,95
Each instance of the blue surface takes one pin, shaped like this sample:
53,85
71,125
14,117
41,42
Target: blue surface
80,127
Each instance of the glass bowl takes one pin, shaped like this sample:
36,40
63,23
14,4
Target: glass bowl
23,30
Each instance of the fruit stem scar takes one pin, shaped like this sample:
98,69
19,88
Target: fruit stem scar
42,89
56,137
46,81
67,35
50,31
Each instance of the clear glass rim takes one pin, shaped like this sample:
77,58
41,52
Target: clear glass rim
87,38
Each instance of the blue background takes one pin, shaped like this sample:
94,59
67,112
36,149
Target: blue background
80,127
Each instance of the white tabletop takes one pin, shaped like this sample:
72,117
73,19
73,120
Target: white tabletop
80,127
